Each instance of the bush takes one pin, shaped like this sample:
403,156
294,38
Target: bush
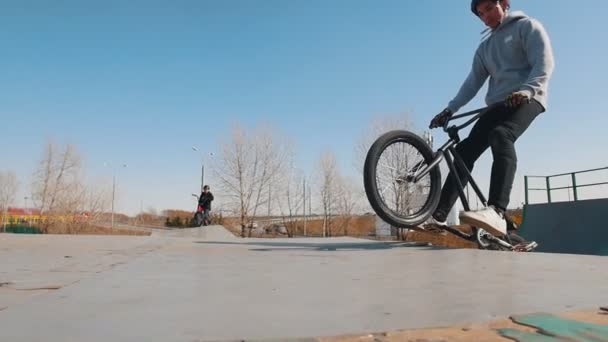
178,222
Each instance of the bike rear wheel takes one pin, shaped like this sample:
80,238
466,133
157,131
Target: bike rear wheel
198,219
392,194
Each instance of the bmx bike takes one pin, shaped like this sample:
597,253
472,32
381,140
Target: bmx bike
402,181
200,219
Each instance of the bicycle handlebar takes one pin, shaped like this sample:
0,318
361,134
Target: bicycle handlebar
479,112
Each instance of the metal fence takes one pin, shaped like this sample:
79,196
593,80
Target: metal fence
573,184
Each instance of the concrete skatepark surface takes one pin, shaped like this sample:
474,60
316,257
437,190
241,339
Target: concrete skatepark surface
205,284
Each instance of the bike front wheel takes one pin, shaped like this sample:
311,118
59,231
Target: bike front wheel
390,164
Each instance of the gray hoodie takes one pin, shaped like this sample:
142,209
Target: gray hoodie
517,56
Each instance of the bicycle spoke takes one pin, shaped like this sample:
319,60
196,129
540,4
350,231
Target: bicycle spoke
388,167
383,190
395,163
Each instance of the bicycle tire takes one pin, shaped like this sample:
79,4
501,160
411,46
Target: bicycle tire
371,186
198,219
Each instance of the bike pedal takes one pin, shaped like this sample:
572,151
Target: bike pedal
526,248
532,246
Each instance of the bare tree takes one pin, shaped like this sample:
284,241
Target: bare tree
8,191
349,197
290,201
58,187
57,179
379,125
246,168
43,178
95,200
328,190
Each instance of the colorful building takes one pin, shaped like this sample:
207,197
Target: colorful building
33,216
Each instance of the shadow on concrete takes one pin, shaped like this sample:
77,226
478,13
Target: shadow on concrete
267,246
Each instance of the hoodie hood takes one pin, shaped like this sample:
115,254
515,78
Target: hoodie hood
509,18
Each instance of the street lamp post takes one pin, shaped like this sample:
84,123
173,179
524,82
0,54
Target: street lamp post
304,202
194,148
113,188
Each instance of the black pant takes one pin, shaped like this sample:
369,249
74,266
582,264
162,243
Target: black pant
498,129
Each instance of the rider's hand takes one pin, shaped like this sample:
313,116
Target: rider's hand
440,119
516,99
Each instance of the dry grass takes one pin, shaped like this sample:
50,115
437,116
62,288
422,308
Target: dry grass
443,240
88,229
517,215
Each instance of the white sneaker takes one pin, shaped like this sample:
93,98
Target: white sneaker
431,225
488,218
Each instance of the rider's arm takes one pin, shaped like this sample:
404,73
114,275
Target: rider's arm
540,56
470,87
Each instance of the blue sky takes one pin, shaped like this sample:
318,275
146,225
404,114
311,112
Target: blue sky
140,82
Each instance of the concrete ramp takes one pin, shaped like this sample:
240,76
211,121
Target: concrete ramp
208,233
578,227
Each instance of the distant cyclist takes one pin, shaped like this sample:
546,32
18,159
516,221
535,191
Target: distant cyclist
518,59
204,201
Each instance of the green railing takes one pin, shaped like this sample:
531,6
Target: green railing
575,186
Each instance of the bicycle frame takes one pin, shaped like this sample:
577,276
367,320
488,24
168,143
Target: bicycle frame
453,159
459,170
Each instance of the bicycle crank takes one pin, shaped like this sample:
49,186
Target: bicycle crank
489,241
